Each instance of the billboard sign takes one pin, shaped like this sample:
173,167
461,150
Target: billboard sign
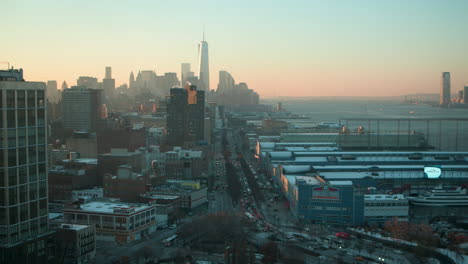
432,172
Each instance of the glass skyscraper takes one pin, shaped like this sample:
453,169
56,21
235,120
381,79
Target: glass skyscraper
203,66
23,177
445,89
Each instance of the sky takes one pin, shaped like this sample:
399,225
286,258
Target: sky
279,48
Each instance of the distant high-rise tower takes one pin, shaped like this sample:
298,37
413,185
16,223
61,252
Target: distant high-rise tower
23,170
108,83
64,85
203,67
185,115
89,82
52,92
82,108
131,83
445,89
108,72
185,69
226,82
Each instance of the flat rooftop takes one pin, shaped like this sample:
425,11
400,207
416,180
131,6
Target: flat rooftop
109,206
73,227
308,179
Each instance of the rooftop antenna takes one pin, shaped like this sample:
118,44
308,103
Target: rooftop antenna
203,32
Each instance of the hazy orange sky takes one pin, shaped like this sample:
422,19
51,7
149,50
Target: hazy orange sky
279,48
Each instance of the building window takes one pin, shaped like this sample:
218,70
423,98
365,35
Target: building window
14,215
11,119
31,99
20,96
31,117
10,98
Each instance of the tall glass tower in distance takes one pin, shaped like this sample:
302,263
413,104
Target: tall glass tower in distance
203,67
445,89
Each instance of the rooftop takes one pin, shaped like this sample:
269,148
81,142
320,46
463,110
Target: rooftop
73,227
109,207
308,179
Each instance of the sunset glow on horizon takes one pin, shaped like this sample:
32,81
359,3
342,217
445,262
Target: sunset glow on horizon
298,48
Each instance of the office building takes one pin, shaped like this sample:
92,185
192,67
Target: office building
232,94
131,81
196,113
185,70
203,66
445,89
76,243
108,83
125,184
81,108
314,200
165,82
186,115
88,82
72,174
177,116
380,208
24,235
124,221
226,82
52,92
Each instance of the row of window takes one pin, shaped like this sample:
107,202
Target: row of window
21,193
22,98
388,204
21,137
23,212
24,230
328,208
23,174
24,117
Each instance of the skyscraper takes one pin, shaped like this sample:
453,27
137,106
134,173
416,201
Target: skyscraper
131,82
52,92
108,83
82,108
177,116
445,89
226,82
89,82
64,85
185,69
23,165
185,115
108,73
196,113
203,67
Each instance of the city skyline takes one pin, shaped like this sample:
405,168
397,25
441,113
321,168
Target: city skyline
378,49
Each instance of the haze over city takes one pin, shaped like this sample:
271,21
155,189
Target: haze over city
298,48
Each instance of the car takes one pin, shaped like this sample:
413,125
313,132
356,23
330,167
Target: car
174,226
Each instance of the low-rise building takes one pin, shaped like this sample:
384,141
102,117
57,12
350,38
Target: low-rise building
110,162
87,194
124,221
76,243
72,175
192,194
125,184
380,208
